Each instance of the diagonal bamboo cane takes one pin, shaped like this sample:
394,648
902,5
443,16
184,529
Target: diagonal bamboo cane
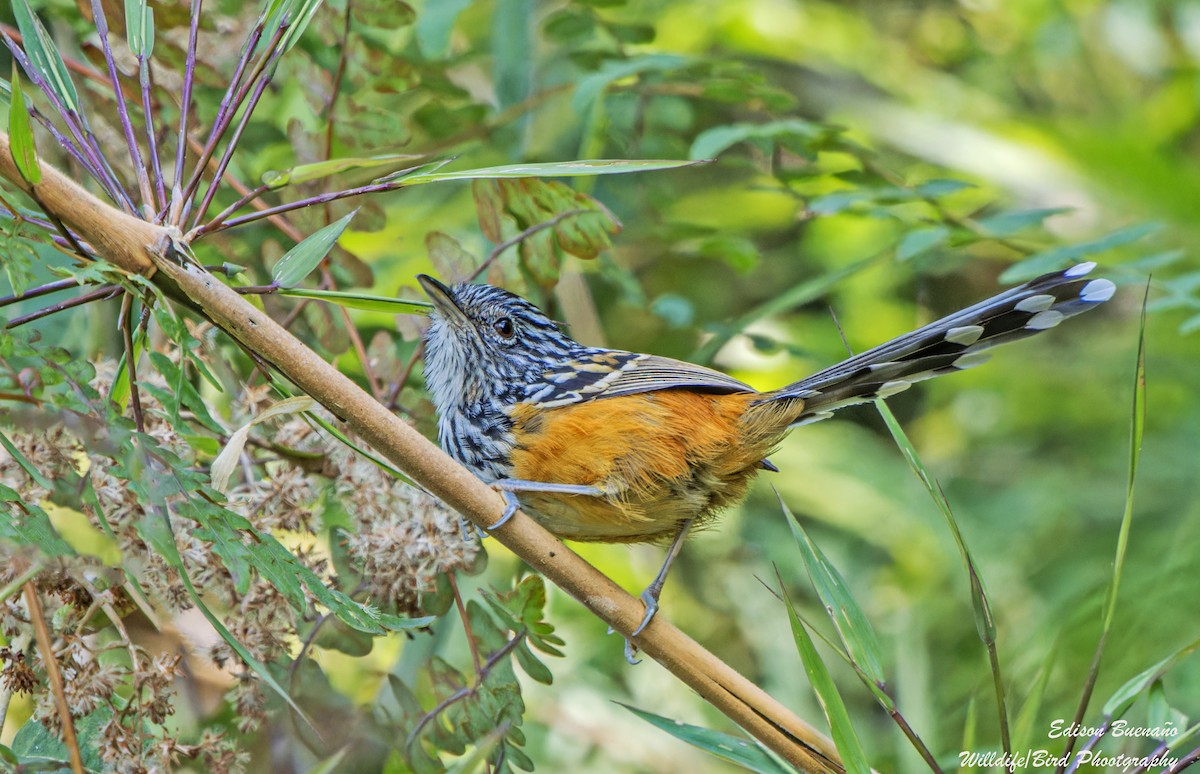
143,248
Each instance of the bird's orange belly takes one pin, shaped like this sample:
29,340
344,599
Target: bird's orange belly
660,457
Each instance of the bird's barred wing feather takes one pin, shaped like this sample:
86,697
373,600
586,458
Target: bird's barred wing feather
610,373
953,343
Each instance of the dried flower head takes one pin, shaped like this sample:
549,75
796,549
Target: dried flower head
404,538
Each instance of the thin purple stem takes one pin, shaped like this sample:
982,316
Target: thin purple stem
189,75
267,73
102,293
225,213
135,153
298,205
87,144
151,141
66,143
220,122
44,290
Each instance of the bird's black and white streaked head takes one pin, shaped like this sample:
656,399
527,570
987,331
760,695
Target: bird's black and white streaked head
486,339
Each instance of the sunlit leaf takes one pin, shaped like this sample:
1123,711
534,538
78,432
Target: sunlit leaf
298,262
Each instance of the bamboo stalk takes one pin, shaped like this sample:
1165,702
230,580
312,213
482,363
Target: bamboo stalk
132,246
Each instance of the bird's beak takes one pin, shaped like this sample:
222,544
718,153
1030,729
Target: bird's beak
443,300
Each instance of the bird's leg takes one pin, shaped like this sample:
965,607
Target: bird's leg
507,486
652,592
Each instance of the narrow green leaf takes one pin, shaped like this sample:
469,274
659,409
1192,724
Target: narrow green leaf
589,88
713,142
853,628
854,758
838,201
362,301
934,189
32,527
920,240
797,296
20,133
1049,260
1124,697
512,40
734,749
156,530
43,55
1137,428
298,262
1008,223
551,169
1024,732
299,14
304,173
139,28
435,25
25,464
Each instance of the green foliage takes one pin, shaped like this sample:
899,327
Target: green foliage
891,164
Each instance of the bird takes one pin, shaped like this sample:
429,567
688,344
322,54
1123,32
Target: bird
605,445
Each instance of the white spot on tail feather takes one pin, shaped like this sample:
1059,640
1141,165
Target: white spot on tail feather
1080,269
964,334
1039,303
970,360
1097,290
1043,320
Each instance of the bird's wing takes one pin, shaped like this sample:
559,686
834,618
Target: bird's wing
610,373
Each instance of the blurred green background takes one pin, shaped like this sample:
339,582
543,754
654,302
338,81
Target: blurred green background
918,148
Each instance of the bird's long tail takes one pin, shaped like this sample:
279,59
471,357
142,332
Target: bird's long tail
953,343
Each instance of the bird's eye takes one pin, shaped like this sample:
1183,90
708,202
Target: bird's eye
504,326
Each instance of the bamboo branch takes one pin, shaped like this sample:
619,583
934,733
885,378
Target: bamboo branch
46,645
131,247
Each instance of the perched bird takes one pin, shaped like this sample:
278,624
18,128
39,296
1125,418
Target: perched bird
605,445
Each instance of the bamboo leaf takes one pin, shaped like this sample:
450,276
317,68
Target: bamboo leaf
591,87
20,133
1050,260
840,728
362,301
920,240
139,28
583,168
298,262
1124,696
43,55
853,628
1008,223
303,173
733,749
713,142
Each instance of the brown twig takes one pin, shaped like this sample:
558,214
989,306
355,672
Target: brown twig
46,645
